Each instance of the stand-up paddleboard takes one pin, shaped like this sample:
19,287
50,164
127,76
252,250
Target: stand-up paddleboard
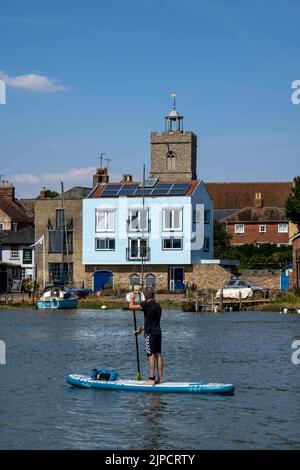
85,381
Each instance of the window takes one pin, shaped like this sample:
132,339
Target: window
172,219
150,281
14,254
206,244
206,216
239,228
1,226
105,220
59,239
14,226
283,228
262,229
171,161
134,280
196,216
59,272
60,218
105,244
172,243
138,220
137,248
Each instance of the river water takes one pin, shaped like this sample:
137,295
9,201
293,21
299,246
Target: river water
39,410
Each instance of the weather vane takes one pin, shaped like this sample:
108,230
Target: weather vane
173,94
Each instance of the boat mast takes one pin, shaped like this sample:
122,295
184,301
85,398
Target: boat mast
142,220
62,230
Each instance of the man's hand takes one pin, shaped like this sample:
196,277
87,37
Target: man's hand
139,330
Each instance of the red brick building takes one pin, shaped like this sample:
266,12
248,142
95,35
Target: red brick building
252,212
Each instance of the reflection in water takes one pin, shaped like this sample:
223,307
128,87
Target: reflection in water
154,432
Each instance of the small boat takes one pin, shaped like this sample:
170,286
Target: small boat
55,297
81,293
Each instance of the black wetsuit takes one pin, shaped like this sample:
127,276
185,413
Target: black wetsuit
152,332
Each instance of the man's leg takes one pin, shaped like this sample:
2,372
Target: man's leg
151,360
160,367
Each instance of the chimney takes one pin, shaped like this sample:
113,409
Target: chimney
7,190
43,192
100,177
258,201
126,178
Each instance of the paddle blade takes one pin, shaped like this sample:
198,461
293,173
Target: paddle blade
138,376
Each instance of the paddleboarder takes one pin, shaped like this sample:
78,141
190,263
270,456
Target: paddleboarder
152,333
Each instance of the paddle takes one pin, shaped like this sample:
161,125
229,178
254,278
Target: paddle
138,374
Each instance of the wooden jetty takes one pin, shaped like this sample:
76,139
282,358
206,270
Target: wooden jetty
213,304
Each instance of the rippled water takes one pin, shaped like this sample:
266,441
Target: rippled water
39,410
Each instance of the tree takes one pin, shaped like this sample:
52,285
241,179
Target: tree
51,194
221,241
292,204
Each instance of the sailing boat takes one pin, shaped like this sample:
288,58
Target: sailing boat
56,295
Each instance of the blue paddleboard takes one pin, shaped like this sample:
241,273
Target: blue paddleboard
85,381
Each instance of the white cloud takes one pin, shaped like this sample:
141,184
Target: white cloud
33,82
29,184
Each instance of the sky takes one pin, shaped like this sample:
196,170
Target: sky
90,77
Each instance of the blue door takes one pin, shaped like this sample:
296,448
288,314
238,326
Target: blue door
178,278
101,279
285,281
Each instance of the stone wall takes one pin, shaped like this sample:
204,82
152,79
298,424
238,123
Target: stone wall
122,274
5,220
183,145
45,209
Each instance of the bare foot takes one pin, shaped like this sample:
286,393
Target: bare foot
150,382
158,381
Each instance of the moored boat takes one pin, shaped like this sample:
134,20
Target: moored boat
57,297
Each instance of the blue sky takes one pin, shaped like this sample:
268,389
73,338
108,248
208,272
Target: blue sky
90,77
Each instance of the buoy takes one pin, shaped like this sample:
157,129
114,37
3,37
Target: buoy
285,310
103,307
298,311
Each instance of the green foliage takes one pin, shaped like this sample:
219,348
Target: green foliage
221,241
292,204
51,194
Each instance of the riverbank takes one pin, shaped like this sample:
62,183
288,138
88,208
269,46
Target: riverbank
167,301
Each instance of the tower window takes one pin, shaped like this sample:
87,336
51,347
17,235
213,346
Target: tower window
171,161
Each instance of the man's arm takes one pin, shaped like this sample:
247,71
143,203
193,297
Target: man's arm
132,305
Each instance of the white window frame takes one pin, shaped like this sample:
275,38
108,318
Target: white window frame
139,228
172,209
15,254
286,228
139,239
242,230
104,249
172,249
106,212
262,228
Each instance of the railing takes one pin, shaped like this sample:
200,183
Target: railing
138,254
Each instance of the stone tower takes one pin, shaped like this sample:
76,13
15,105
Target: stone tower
174,151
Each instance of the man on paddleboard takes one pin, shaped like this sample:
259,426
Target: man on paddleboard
152,333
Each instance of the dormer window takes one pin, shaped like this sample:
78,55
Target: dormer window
14,226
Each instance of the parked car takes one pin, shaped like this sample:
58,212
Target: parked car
243,283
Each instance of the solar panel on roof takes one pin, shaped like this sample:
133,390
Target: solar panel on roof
112,190
141,191
128,190
179,189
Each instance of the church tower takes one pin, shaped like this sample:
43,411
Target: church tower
174,151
